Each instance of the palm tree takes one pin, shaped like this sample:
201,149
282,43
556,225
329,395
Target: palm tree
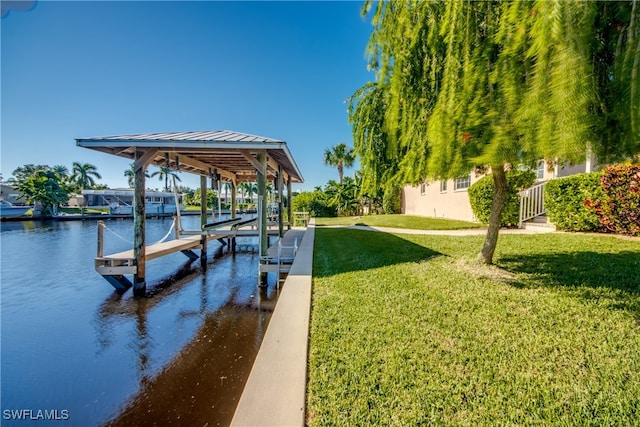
339,156
253,189
343,196
165,173
227,186
131,175
61,170
244,187
84,174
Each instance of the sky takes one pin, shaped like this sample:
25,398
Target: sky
79,69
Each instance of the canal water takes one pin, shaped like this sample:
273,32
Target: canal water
75,352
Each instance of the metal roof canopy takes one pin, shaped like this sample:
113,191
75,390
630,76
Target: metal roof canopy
230,154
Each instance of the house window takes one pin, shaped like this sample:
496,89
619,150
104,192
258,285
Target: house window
540,170
463,183
423,188
443,186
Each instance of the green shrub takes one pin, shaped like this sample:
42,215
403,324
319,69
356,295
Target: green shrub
314,202
392,200
618,207
481,196
566,202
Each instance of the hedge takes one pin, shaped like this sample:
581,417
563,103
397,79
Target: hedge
481,196
618,207
392,200
564,199
314,202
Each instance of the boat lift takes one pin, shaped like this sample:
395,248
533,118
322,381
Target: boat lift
114,267
219,155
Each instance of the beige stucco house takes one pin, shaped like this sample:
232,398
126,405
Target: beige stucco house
449,199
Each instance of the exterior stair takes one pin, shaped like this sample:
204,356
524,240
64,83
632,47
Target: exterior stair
539,224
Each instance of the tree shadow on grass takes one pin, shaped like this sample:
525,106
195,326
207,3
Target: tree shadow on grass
341,250
611,276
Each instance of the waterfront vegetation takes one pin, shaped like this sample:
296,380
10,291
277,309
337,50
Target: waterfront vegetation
399,221
412,330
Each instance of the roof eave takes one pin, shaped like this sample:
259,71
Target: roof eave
199,144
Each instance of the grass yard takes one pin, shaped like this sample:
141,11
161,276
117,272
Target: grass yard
408,330
399,221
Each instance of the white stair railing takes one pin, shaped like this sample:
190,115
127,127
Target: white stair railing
532,203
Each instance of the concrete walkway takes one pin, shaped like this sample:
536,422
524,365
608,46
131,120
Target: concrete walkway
275,392
466,232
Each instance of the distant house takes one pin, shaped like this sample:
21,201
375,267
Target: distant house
449,199
120,200
11,195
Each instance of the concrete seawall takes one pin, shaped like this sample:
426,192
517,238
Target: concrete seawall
275,393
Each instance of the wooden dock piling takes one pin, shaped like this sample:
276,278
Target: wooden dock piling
139,218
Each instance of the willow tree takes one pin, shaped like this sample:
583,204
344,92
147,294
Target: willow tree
379,163
469,85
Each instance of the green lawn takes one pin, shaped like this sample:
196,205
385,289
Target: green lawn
87,211
399,221
408,330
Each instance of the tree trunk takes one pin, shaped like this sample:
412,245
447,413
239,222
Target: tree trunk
499,199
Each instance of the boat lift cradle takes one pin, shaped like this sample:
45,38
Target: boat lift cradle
114,267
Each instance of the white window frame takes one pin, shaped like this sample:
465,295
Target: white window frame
540,167
443,186
423,188
462,183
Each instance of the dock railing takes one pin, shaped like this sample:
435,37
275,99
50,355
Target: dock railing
302,217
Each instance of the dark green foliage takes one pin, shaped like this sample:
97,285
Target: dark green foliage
25,172
46,188
314,202
194,198
343,196
618,204
392,200
481,197
564,199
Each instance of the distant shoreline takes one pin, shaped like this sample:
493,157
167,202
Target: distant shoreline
94,216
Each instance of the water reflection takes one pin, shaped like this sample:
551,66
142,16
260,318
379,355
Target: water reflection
181,355
202,383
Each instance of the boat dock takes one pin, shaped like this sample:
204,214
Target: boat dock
114,267
280,255
219,156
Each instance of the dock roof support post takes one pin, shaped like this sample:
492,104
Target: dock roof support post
279,184
139,253
214,185
262,204
233,199
233,211
203,219
289,199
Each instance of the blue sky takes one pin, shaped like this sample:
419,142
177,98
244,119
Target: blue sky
91,68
